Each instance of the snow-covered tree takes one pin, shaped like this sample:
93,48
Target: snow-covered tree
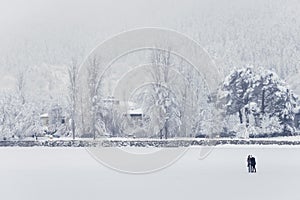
270,125
98,115
19,119
163,98
72,97
95,96
259,93
237,88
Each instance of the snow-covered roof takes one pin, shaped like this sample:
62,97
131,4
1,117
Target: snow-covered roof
44,115
138,111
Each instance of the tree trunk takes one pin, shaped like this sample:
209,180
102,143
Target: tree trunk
166,132
73,128
241,116
161,134
263,102
247,112
94,126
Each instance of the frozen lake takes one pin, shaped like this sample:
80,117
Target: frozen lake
71,173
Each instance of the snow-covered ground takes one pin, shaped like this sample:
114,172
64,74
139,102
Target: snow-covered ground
71,173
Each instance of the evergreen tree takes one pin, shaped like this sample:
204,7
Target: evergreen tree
261,94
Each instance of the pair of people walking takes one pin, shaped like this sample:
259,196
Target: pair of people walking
251,163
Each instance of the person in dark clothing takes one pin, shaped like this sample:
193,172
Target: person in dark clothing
249,163
253,163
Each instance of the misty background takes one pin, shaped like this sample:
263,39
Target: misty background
41,37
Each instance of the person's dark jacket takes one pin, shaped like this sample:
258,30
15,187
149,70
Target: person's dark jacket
248,161
253,162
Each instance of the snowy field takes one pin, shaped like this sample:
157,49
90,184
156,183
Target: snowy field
71,173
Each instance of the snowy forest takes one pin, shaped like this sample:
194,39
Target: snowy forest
255,48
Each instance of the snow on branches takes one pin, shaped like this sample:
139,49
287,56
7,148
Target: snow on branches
261,99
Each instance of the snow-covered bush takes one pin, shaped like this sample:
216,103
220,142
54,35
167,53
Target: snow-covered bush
19,118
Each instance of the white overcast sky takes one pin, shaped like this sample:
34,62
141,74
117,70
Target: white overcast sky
33,32
37,19
30,26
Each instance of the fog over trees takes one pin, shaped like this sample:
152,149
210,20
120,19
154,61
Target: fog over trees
255,46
